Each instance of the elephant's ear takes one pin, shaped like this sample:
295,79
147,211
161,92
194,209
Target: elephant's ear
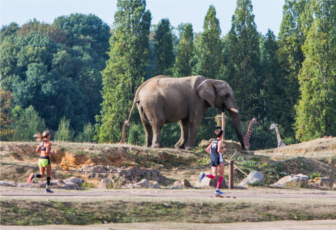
206,91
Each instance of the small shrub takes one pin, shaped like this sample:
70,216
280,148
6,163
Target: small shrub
64,133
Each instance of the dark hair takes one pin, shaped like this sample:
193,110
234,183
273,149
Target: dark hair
218,132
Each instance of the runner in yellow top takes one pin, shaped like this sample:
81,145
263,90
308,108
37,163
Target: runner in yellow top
44,161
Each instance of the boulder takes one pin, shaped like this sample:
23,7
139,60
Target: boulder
209,183
177,183
105,184
144,183
321,182
70,186
8,183
75,180
186,183
298,179
254,178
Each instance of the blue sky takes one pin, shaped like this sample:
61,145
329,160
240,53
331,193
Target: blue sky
268,13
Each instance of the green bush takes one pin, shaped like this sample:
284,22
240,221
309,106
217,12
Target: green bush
27,124
136,135
87,135
64,133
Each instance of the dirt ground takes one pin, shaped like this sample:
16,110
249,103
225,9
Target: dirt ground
318,148
253,193
274,225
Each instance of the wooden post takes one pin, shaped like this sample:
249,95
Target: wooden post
231,174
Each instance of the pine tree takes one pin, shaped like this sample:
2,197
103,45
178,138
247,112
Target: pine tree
210,56
316,109
163,48
294,27
183,65
242,60
125,69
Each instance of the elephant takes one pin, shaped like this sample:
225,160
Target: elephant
164,99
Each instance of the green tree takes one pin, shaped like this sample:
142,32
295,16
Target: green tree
6,119
210,56
185,52
295,24
274,86
163,48
136,135
56,68
125,69
87,135
242,60
316,109
64,132
28,123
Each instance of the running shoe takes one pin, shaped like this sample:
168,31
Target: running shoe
201,176
31,176
48,190
218,192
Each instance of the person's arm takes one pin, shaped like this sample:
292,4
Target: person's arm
38,150
208,148
49,148
219,147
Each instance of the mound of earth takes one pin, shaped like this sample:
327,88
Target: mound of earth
318,148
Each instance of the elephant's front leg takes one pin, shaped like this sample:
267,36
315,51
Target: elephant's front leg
193,129
184,124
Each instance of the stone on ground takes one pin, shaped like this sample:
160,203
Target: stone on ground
75,180
186,183
296,180
144,183
105,184
8,183
254,178
177,184
321,182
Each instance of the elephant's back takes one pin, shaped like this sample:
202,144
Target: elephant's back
163,82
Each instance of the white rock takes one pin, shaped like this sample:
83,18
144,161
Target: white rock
144,183
8,183
75,180
104,183
293,179
253,178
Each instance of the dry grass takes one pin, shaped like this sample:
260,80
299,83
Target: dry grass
32,212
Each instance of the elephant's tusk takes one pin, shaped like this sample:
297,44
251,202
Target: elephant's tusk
234,110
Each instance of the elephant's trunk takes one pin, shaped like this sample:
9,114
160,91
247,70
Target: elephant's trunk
236,124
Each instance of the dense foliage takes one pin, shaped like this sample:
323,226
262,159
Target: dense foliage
125,69
79,77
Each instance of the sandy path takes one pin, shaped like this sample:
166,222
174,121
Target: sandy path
275,225
172,193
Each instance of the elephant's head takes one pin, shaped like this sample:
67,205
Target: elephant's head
220,95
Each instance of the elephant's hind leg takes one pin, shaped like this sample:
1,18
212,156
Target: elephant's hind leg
184,124
147,128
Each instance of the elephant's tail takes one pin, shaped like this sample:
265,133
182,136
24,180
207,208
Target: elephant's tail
134,102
